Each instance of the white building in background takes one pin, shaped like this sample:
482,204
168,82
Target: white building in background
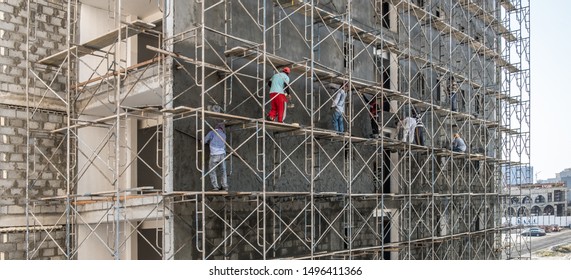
537,200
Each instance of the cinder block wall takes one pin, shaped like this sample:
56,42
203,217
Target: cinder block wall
281,241
45,157
39,178
13,245
47,34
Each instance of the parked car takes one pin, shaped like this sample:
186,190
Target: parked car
534,231
545,228
555,228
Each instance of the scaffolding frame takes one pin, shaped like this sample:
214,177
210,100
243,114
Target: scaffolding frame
393,199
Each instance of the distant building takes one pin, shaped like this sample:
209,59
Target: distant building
537,200
563,177
517,175
547,181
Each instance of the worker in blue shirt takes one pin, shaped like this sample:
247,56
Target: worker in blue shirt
338,107
217,140
279,95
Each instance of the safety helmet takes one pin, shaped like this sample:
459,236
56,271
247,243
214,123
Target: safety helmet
286,70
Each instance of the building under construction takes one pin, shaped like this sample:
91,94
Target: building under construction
103,106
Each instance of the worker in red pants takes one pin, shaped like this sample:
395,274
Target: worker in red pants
279,93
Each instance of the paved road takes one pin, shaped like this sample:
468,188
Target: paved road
551,239
524,246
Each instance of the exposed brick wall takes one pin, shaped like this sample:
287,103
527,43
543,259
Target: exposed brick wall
46,154
41,246
47,35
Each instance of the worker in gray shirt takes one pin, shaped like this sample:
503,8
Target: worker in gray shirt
458,144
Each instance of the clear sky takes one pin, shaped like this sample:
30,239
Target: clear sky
550,87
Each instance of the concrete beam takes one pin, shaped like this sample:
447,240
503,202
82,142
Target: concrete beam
135,209
132,209
46,103
140,89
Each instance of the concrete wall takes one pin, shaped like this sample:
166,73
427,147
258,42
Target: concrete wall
286,236
288,155
96,173
94,23
97,157
243,103
98,242
89,31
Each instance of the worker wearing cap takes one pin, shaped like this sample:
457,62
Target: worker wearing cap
279,93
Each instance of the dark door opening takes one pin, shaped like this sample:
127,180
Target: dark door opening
148,167
382,169
149,243
386,171
386,231
151,39
385,8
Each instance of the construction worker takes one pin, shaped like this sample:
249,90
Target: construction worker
373,114
419,131
458,144
375,111
453,93
279,95
338,107
407,126
217,140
